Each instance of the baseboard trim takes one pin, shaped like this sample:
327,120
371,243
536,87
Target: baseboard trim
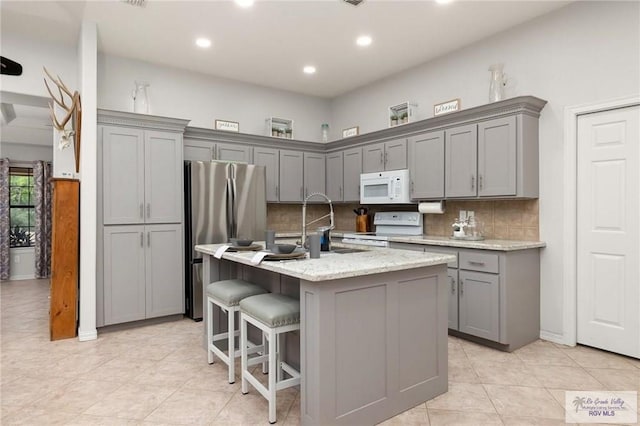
85,336
555,338
21,277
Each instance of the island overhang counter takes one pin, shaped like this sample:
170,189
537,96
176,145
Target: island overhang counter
373,331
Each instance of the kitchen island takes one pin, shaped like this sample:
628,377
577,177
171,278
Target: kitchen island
373,335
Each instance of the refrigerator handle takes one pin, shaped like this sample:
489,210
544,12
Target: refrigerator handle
230,208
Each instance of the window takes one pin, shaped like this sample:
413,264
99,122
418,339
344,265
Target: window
21,208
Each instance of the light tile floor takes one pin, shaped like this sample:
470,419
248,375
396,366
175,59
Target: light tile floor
158,374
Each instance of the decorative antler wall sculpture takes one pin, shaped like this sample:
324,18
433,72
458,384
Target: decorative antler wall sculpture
73,112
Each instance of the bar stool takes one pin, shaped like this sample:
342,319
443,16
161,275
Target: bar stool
274,315
227,295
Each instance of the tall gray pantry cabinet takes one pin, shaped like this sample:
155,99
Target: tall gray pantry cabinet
140,190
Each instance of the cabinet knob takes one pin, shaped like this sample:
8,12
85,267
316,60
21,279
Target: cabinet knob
386,157
142,239
473,182
461,287
480,181
381,158
148,239
148,210
453,286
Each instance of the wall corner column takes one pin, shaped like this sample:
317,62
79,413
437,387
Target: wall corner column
88,79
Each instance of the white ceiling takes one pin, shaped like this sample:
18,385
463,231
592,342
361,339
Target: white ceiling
269,43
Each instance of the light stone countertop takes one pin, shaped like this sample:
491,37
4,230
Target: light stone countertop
500,245
332,266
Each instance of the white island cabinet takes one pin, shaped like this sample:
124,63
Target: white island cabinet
373,331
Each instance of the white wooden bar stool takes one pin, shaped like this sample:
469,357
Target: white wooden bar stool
227,295
273,314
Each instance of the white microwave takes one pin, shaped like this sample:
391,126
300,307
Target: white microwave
391,187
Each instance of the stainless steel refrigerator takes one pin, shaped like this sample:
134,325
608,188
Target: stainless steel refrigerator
222,200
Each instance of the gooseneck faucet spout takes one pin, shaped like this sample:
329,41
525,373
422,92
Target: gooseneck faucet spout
304,215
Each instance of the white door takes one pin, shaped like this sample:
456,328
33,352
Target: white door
608,257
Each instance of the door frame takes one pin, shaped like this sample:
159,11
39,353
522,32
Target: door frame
570,216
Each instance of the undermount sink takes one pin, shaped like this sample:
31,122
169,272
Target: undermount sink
345,250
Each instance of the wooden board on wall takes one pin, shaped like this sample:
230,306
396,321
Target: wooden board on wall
65,218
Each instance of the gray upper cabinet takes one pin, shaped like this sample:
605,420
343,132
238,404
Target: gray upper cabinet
314,173
426,165
391,155
123,175
373,158
335,175
497,157
199,150
237,153
270,159
395,154
291,176
141,176
163,177
461,149
352,171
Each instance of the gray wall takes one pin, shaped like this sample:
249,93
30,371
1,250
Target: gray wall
203,99
585,52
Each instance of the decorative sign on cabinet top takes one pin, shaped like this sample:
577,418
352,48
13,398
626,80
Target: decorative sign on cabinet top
227,126
446,107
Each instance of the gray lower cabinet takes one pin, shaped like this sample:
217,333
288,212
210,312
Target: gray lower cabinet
270,159
142,272
335,175
141,176
493,295
390,155
291,176
452,276
352,171
314,173
479,304
426,165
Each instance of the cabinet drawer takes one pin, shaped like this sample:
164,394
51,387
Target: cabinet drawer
437,249
483,262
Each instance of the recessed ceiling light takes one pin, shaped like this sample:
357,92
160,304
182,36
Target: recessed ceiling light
364,40
443,1
309,69
203,42
244,3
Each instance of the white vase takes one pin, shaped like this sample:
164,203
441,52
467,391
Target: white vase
141,98
497,83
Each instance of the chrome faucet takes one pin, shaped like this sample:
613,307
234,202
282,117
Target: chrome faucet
304,216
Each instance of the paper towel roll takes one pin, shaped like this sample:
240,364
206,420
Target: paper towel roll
434,207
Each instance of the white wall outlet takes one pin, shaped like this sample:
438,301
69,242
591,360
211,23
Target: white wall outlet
470,214
68,175
463,215
16,259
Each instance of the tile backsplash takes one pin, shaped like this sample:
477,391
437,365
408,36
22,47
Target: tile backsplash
503,219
